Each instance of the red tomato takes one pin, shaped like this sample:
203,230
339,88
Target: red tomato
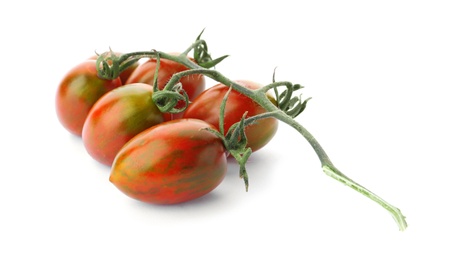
78,91
206,107
116,118
192,84
125,74
170,163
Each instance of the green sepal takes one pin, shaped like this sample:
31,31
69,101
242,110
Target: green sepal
202,56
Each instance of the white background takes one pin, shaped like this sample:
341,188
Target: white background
384,77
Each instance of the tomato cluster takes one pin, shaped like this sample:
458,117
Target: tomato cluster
165,135
156,157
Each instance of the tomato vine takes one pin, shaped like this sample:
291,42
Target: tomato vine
287,109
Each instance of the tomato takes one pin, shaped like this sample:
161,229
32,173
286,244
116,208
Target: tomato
170,163
207,106
193,85
77,92
125,74
116,118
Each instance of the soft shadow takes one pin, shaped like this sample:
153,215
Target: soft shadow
208,200
207,207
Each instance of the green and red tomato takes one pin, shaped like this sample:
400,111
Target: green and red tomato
170,163
207,106
117,117
77,92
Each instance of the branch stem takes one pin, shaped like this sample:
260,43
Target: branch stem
259,96
330,170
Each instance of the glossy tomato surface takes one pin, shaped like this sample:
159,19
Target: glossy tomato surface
117,117
77,92
170,163
144,73
207,105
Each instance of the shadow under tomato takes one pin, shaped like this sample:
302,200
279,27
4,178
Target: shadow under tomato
209,206
209,199
228,195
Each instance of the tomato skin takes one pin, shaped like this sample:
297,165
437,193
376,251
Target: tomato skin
206,107
192,84
170,163
77,92
117,117
125,74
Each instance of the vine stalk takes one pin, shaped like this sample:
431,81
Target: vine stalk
327,165
260,97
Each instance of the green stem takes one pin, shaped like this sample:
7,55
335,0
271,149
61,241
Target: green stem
327,165
333,172
259,96
330,170
194,45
